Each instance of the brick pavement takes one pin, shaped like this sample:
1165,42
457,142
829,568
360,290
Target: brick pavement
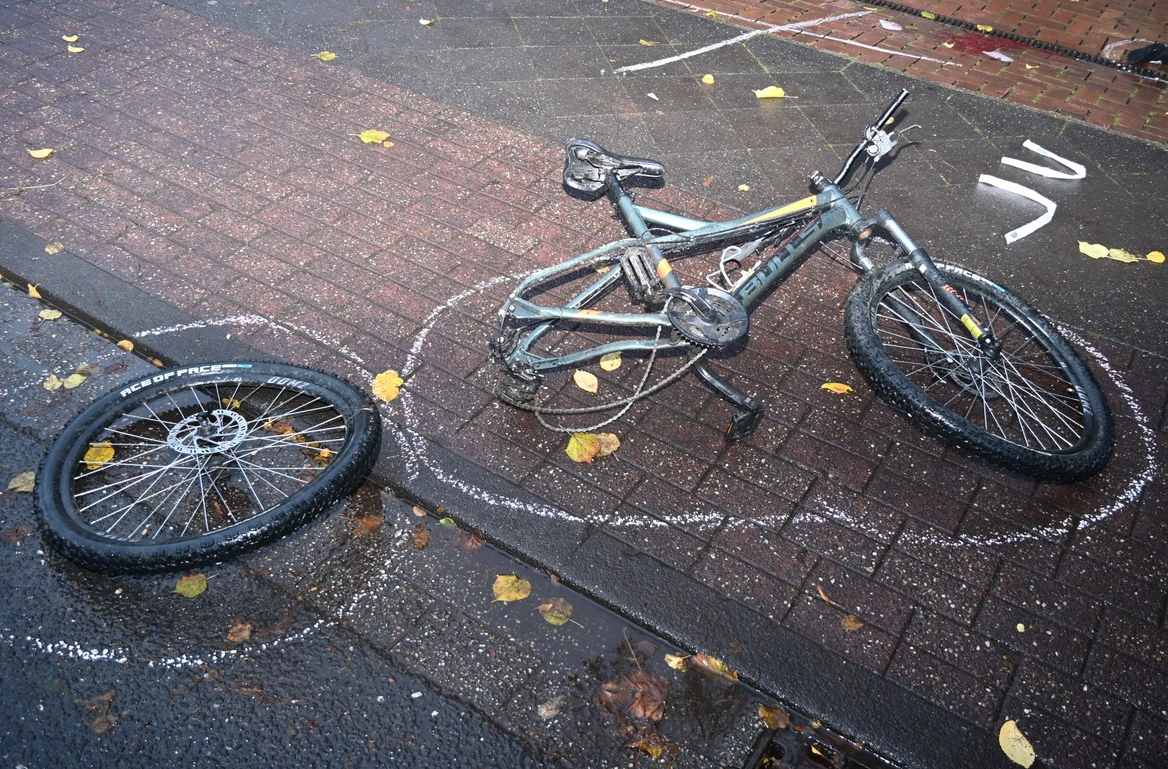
221,173
955,56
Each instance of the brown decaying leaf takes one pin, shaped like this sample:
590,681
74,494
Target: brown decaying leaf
774,718
852,623
98,708
239,632
421,538
23,482
638,695
713,667
367,525
13,535
556,611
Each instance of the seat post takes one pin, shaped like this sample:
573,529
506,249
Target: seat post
640,228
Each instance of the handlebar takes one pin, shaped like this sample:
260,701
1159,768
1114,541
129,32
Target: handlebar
880,122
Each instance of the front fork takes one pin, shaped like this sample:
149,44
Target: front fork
920,259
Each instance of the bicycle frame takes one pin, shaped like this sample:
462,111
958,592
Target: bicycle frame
822,214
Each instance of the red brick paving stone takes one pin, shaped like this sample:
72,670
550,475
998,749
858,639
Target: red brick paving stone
1039,687
938,681
857,594
664,542
762,592
1032,635
1149,740
867,646
833,540
763,547
929,586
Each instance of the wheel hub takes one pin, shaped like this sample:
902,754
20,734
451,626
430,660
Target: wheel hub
962,373
208,432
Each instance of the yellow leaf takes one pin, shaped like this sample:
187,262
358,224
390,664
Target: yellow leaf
744,188
98,454
1119,255
708,79
75,49
928,15
771,92
54,248
52,383
1093,250
676,661
612,361
947,44
425,22
712,14
70,38
586,381
1031,66
41,154
609,443
326,56
23,482
984,28
712,666
509,587
387,384
774,718
836,387
191,585
646,42
32,291
126,345
852,623
556,611
1015,745
583,447
374,137
73,380
49,314
1156,257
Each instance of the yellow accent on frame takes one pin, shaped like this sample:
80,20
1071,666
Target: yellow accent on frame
790,208
970,324
664,268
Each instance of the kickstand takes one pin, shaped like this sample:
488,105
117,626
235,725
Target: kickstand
744,421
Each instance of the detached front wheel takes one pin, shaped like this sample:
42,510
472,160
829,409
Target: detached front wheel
194,465
1033,407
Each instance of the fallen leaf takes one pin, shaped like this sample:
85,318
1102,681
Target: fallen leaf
447,521
1119,255
770,92
387,385
15,534
852,623
609,443
376,137
1015,745
70,38
611,361
744,188
774,718
708,79
75,49
712,666
126,345
947,44
836,387
646,42
929,15
677,661
823,595
420,512
648,696
509,587
99,707
1093,250
890,25
97,455
712,14
52,384
366,525
326,56
556,611
708,181
1031,66
550,709
425,22
239,632
1155,256
583,447
191,585
32,291
54,248
984,28
23,482
49,314
73,380
586,381
652,743
421,538
42,153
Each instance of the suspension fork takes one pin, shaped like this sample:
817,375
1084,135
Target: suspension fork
947,295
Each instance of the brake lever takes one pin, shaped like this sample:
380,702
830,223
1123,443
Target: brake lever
881,142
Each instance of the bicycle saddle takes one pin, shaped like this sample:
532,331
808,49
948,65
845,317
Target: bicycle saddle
588,166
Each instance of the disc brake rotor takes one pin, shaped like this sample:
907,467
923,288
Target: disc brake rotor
208,432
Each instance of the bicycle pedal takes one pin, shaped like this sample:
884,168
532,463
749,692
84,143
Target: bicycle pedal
742,424
644,284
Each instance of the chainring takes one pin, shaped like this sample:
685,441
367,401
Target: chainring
729,324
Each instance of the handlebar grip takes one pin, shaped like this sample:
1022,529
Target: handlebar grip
892,108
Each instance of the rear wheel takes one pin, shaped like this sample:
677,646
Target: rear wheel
1034,407
191,466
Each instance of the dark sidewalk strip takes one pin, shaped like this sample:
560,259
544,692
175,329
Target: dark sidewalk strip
211,192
